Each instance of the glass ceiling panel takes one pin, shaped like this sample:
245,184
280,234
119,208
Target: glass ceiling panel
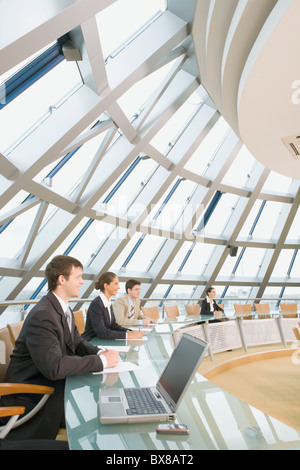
136,97
282,265
114,30
85,246
248,225
130,184
221,214
118,262
145,253
14,236
250,262
295,271
74,169
277,183
204,155
294,232
172,129
229,264
14,202
167,211
37,102
240,170
291,293
5,76
268,220
196,263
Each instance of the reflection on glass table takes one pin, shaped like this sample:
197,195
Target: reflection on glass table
216,419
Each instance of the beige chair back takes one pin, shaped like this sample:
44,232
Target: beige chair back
262,308
296,332
241,309
5,352
172,311
14,331
151,312
192,309
290,310
79,321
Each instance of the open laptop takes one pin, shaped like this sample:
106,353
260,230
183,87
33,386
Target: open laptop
121,405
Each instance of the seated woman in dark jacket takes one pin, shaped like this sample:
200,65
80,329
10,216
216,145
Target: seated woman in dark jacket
100,319
209,306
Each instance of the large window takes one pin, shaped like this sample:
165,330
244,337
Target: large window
135,171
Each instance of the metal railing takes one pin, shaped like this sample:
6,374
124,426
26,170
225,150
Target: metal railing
225,301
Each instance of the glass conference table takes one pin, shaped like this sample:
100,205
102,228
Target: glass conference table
217,420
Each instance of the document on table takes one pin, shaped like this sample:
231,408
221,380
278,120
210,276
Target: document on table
162,328
122,349
125,366
144,338
136,328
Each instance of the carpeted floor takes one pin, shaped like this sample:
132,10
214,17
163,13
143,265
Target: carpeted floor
272,385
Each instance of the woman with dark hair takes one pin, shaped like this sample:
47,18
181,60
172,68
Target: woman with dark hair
209,306
100,319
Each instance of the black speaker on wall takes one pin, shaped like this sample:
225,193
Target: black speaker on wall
233,250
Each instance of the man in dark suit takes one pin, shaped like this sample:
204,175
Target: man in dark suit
49,349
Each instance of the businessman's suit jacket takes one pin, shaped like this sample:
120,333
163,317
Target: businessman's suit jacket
205,307
100,324
121,310
46,351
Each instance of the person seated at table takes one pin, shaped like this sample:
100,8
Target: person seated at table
100,318
49,349
127,307
209,306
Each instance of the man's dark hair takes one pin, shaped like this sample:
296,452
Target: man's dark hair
60,265
131,283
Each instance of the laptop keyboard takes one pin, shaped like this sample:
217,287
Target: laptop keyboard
141,401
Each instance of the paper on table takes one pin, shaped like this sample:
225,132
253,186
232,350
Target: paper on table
116,348
121,367
162,328
136,328
144,338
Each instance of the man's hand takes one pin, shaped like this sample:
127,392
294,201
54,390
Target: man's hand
112,357
135,334
149,322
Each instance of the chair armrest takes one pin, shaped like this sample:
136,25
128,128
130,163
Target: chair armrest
11,410
10,388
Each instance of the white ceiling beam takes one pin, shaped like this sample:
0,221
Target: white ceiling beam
42,23
8,169
32,234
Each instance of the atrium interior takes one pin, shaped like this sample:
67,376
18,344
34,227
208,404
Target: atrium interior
148,138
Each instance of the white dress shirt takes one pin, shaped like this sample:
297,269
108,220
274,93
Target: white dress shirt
106,303
211,304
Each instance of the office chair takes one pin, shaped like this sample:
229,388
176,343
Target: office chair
14,413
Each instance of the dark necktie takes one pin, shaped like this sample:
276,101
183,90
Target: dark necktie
131,312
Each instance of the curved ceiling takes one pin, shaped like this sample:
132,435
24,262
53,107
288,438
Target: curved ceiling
247,54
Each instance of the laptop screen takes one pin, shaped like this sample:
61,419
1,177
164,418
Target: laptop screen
182,366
